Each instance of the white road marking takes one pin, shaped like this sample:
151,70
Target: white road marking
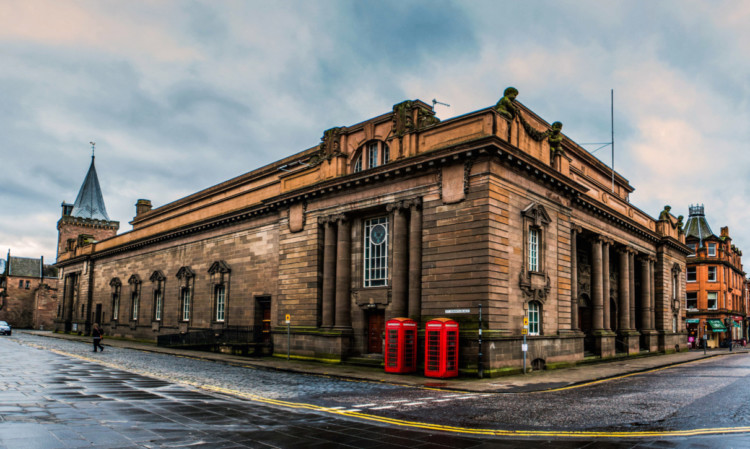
363,405
414,403
383,407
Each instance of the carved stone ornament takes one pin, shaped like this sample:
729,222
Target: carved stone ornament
157,276
185,273
537,214
403,118
134,279
219,266
535,286
330,147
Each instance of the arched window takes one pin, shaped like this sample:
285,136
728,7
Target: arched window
370,155
535,323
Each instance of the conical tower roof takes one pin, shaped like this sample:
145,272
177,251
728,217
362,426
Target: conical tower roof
697,225
90,202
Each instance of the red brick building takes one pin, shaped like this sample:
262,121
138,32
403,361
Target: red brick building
402,215
716,284
28,292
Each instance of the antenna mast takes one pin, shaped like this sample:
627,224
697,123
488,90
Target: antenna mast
93,145
612,127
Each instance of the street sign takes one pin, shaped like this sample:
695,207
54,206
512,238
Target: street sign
524,347
524,331
449,311
288,318
525,321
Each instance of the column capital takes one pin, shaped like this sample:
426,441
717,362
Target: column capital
575,229
626,249
399,206
332,219
413,203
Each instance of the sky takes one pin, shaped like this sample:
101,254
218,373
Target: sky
182,95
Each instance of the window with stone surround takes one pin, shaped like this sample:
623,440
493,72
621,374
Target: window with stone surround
158,285
533,278
375,257
135,296
220,274
186,278
712,300
370,155
711,274
116,286
692,300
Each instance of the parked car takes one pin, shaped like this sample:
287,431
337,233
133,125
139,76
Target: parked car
4,328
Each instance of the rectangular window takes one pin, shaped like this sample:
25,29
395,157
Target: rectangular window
712,302
711,274
185,292
376,252
20,284
386,154
157,305
691,274
136,300
533,249
712,249
220,302
692,300
533,318
115,305
372,155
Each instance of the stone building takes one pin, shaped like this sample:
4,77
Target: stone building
402,215
28,296
716,285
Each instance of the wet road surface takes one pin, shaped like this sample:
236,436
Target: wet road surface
126,398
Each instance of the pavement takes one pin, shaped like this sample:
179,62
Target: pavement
534,381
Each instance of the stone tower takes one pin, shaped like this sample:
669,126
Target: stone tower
86,220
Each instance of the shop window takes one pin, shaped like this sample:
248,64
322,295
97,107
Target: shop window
534,318
692,300
691,276
158,281
220,273
371,155
712,300
375,255
711,274
116,286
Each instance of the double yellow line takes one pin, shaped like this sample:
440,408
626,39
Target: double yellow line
443,428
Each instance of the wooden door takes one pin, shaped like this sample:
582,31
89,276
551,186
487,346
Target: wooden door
375,329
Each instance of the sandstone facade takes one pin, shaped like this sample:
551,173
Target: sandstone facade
401,215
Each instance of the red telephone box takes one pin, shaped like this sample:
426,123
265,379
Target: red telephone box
441,348
400,346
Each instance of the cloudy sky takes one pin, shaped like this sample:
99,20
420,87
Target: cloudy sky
181,95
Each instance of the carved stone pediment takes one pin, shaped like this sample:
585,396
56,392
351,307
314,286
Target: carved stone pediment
537,214
219,266
185,273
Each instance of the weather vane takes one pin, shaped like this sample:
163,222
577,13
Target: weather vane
93,145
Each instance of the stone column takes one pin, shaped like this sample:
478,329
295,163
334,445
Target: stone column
329,273
605,285
631,265
415,260
645,293
652,295
343,317
574,278
596,283
399,276
624,292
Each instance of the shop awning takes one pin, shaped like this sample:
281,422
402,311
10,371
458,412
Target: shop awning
692,321
717,325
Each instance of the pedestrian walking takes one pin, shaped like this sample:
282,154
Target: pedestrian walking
97,334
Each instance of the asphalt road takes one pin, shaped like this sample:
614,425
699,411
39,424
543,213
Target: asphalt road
57,393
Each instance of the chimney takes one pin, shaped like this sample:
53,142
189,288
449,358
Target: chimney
725,231
142,206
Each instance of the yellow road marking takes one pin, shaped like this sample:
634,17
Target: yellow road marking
438,427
